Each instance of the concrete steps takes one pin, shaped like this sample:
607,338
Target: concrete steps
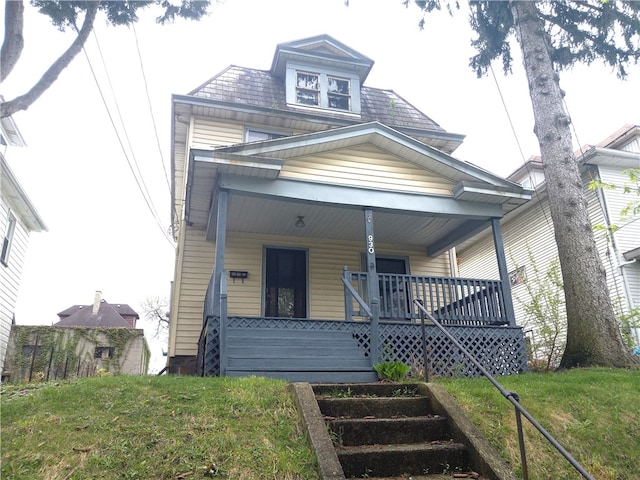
384,431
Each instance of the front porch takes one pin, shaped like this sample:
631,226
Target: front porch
281,218
386,329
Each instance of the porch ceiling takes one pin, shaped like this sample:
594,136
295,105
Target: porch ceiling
405,219
269,216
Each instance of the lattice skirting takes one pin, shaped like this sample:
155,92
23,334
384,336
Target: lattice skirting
500,349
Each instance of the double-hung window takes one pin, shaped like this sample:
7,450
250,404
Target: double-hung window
308,88
323,90
338,93
7,239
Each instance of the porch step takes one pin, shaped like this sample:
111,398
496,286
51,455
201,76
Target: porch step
297,355
383,430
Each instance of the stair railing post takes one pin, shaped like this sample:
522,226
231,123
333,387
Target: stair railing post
348,302
523,452
222,330
425,357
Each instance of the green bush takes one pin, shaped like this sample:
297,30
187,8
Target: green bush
394,371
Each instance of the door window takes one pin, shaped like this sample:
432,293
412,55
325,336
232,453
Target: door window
286,283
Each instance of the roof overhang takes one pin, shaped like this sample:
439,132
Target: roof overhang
610,157
18,199
262,202
632,255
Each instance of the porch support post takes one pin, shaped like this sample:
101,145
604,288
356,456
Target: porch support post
218,271
504,273
372,286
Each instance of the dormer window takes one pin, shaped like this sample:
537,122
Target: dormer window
308,88
339,93
323,90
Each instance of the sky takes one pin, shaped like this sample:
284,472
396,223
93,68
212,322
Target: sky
102,234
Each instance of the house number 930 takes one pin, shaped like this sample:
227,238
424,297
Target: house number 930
370,248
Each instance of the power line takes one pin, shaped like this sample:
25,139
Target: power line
515,135
153,119
140,185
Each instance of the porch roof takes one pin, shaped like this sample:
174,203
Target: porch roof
261,202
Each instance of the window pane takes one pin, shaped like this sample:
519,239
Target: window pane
308,81
339,101
8,237
338,85
307,97
308,88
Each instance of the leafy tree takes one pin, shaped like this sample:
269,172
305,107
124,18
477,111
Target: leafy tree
68,15
552,36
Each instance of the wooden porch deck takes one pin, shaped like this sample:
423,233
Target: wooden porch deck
316,350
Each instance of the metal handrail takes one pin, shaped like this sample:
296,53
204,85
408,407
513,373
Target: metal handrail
511,396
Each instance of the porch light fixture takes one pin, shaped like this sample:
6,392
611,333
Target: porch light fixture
300,222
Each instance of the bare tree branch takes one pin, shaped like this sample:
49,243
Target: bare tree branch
155,310
13,39
24,101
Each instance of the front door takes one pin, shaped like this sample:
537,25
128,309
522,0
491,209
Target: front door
286,283
393,287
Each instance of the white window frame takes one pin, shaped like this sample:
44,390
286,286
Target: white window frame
7,240
324,94
268,134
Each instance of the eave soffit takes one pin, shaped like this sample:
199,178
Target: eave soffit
18,198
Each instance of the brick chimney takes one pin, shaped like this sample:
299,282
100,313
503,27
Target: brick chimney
96,302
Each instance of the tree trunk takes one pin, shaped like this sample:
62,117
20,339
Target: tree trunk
24,101
593,333
13,39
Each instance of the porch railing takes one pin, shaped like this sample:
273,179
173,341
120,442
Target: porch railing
452,301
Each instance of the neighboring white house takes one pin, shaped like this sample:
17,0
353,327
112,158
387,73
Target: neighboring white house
18,218
529,228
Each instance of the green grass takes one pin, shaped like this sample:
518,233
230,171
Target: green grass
593,413
176,427
153,428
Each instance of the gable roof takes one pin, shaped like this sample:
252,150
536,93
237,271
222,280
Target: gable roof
108,315
373,133
324,50
261,201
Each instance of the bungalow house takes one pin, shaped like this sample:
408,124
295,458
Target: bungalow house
310,211
18,218
87,339
529,235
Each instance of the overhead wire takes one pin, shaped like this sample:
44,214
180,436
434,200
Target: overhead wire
153,118
524,161
137,177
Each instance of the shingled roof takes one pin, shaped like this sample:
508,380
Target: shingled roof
107,315
259,88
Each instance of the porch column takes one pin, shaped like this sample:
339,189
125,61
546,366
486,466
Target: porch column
502,269
218,272
373,290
